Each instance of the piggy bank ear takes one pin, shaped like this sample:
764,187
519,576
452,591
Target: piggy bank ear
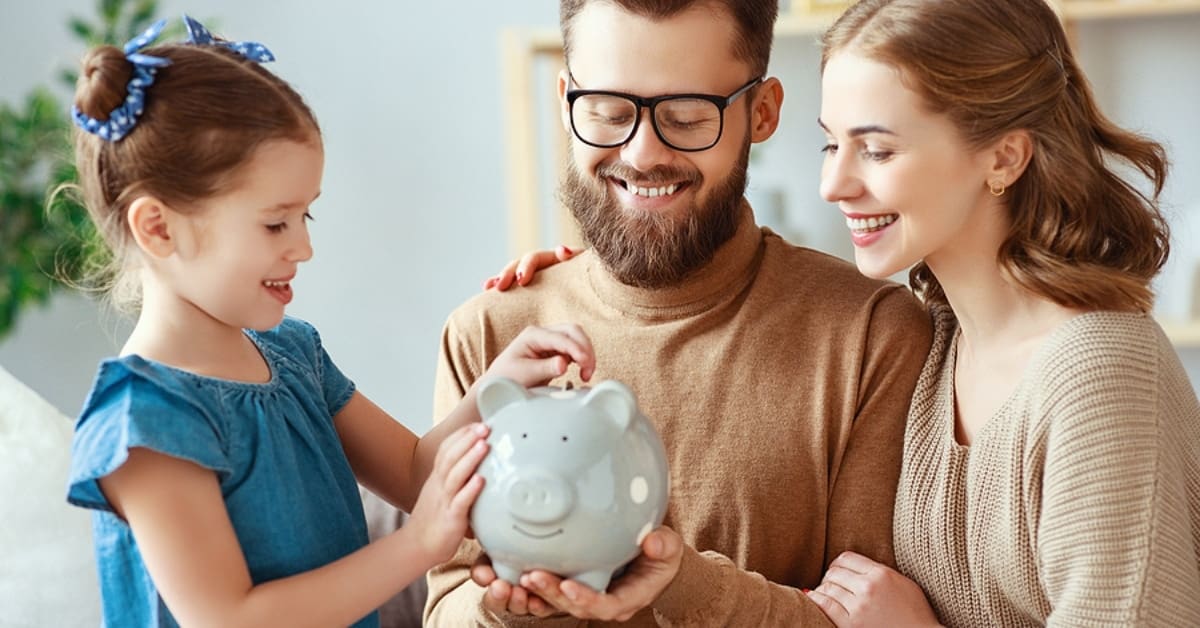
497,393
615,401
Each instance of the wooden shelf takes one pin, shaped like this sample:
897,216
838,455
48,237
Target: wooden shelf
1113,9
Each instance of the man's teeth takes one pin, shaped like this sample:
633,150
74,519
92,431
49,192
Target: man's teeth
874,223
275,284
666,190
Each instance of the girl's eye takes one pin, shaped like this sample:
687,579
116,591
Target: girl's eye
277,227
830,149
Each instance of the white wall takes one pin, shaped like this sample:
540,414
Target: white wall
413,213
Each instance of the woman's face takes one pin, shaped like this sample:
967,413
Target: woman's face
910,188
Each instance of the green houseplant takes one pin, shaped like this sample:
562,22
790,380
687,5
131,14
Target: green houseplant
46,239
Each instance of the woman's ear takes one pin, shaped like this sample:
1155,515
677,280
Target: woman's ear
1010,156
149,222
764,115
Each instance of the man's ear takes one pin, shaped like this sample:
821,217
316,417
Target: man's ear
764,113
564,109
1010,157
149,221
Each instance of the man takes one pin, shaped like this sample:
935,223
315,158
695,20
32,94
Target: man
778,377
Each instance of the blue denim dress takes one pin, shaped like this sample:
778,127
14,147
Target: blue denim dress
288,487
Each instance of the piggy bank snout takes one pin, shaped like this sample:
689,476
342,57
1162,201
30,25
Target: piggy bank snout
539,497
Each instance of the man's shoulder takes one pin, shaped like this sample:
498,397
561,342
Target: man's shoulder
550,286
823,281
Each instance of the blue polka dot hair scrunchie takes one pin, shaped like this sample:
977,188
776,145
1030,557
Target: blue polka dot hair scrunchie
122,119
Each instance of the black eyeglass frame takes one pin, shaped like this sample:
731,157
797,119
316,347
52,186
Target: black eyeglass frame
721,102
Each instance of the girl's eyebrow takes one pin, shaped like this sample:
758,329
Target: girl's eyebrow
861,130
292,205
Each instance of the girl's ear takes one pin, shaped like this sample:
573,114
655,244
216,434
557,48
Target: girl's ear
149,219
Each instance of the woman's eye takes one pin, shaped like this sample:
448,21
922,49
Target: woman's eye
277,227
830,149
878,155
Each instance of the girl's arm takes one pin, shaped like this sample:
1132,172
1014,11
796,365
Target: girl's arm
178,518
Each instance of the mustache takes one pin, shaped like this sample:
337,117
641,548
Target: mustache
655,175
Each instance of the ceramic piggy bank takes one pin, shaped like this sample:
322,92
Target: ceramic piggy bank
575,480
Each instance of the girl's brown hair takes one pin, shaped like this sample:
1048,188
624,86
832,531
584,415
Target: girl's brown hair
1081,235
205,114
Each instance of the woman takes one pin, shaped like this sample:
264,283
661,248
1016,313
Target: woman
1052,458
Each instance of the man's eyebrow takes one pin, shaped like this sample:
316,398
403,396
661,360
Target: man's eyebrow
861,130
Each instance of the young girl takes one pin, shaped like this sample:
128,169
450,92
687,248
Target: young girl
1051,471
221,449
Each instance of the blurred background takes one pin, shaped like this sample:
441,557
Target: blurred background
415,213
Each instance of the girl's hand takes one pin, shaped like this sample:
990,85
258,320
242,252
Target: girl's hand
440,519
521,270
858,591
539,354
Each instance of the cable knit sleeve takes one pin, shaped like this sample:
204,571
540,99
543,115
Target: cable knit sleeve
1116,540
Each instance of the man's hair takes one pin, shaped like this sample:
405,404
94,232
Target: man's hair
755,22
1081,234
205,115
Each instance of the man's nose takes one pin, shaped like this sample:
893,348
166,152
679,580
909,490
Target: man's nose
645,150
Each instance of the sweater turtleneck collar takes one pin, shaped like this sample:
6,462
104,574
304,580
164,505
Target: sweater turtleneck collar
732,267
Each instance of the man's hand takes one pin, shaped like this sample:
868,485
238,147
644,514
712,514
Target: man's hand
502,597
647,577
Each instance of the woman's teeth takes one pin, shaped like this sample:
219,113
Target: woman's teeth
874,223
275,284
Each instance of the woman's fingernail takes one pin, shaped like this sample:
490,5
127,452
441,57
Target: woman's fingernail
487,284
520,277
806,590
566,249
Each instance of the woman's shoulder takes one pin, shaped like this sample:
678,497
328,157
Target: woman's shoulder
1120,341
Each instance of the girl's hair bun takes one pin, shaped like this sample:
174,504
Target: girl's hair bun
103,81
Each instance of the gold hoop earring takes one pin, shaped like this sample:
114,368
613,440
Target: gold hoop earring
997,188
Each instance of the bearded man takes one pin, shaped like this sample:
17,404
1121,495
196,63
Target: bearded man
778,377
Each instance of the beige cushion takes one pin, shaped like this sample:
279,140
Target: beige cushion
47,568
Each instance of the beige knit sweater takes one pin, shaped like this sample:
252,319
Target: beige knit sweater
779,379
1077,504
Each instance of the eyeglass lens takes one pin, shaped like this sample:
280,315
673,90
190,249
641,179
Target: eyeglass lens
684,123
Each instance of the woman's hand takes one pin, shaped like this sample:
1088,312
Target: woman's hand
440,519
520,271
539,354
858,591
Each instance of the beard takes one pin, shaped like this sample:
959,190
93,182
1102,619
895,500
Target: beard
650,249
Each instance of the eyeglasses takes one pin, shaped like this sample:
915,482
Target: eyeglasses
685,122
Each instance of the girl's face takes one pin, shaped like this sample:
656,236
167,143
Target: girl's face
909,187
240,254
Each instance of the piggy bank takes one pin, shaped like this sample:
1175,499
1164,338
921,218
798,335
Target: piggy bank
575,479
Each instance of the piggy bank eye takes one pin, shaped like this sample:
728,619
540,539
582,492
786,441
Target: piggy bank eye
564,439
524,435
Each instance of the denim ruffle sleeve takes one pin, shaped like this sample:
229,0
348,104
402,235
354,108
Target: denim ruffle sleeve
134,404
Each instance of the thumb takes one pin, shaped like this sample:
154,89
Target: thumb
547,369
661,544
